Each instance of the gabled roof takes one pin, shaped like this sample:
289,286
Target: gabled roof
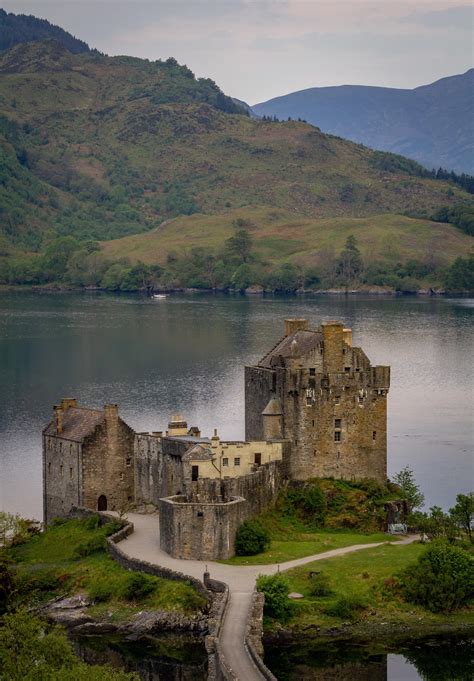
306,340
273,408
77,423
198,453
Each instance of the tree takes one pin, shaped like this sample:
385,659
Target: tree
251,538
441,580
460,276
405,479
434,525
30,650
242,277
463,513
275,589
349,265
240,245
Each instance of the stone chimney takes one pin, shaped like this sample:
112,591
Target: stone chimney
333,358
111,412
177,425
68,402
347,335
58,417
293,325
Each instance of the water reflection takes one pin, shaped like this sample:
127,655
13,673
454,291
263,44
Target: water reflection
188,352
165,659
429,660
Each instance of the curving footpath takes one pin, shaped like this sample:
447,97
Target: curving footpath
144,544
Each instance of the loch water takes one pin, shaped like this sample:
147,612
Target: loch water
186,353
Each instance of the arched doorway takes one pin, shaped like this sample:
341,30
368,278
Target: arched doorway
102,503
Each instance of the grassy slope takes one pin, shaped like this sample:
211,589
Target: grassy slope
281,236
50,556
112,134
362,575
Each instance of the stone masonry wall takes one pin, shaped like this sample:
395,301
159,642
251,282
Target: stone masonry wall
62,476
108,465
205,530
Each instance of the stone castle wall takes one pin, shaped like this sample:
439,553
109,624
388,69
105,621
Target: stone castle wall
112,474
62,476
204,524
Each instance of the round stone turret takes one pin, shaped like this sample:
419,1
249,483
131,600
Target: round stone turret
272,420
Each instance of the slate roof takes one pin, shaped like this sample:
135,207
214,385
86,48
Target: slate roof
77,422
306,339
198,453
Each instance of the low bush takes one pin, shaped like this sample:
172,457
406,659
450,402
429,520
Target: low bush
308,502
346,607
275,589
92,545
137,586
101,592
92,522
320,584
251,539
112,528
441,580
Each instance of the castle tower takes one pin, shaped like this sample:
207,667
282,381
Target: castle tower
332,403
272,420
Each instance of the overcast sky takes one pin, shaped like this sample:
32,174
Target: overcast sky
258,49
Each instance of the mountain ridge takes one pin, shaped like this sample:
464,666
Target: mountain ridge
16,29
430,123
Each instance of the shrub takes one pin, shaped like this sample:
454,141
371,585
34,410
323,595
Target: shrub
137,586
441,580
251,539
92,545
276,589
346,607
320,584
7,582
112,528
308,502
101,592
92,522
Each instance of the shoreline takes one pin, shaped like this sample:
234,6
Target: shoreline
338,292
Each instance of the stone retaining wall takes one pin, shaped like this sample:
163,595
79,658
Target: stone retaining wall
253,635
217,666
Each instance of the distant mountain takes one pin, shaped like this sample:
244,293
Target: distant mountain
244,105
22,28
432,124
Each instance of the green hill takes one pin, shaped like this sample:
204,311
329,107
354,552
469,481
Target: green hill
23,28
101,147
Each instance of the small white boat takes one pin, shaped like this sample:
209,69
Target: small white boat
160,295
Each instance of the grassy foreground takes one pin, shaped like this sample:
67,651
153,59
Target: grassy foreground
50,564
307,544
366,578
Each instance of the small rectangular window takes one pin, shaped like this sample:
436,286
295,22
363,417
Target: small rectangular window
194,473
347,369
128,462
237,461
61,471
337,423
225,461
121,476
361,399
70,473
312,372
313,423
200,514
49,467
337,436
258,458
337,399
374,434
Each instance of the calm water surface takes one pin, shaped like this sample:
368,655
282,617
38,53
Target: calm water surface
187,353
426,660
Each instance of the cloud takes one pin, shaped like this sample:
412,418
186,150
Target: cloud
460,18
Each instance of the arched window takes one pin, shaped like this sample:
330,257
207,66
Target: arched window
102,503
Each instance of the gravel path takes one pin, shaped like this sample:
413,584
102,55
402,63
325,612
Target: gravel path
144,543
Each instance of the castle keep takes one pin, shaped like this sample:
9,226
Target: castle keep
316,390
314,407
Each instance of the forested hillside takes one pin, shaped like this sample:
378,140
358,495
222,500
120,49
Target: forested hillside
95,147
23,28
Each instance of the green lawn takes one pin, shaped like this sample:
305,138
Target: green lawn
48,566
307,544
367,576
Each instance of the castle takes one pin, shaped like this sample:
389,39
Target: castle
314,407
